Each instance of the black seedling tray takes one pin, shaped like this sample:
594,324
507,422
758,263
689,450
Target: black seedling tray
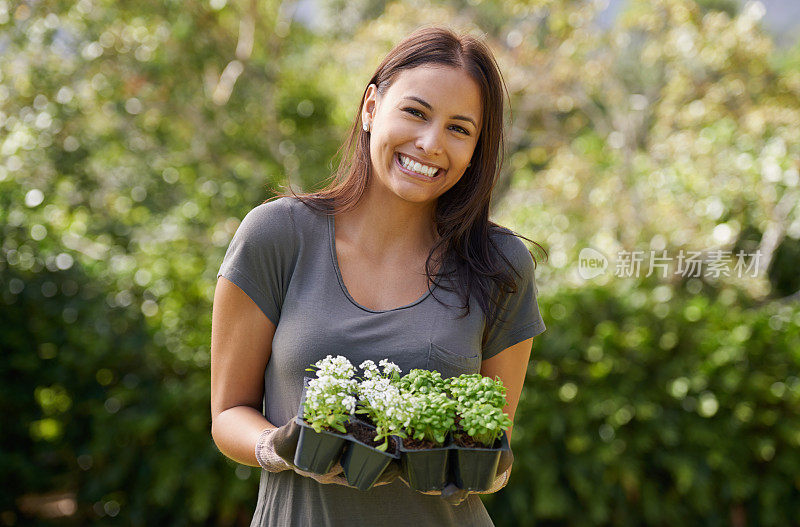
316,452
425,469
471,469
474,469
364,464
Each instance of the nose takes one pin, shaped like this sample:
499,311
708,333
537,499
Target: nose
430,140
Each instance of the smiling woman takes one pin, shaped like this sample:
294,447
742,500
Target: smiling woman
395,259
423,132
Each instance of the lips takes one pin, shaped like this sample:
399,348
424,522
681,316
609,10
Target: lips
403,169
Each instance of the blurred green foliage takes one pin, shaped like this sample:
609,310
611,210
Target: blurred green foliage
649,404
135,136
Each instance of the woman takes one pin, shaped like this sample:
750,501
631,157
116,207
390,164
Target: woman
395,259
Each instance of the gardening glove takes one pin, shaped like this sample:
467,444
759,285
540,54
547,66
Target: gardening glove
390,473
275,450
503,472
453,495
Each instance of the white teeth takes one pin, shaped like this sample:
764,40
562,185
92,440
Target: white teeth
417,167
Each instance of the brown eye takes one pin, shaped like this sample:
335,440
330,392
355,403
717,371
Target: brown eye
413,111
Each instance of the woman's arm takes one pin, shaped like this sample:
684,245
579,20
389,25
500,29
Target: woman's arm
241,344
510,365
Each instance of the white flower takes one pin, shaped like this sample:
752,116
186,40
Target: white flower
389,367
370,370
367,364
337,366
350,403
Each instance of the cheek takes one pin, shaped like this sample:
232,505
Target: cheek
380,152
466,152
461,175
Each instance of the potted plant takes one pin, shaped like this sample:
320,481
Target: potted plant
480,430
372,445
424,451
422,381
326,406
439,429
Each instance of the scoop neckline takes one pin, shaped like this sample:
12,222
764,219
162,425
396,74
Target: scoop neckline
335,259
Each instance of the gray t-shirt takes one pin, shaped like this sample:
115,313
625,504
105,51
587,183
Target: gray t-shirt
283,257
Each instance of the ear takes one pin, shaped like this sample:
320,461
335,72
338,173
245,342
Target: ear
370,103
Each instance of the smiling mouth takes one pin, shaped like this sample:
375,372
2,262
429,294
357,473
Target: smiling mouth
409,168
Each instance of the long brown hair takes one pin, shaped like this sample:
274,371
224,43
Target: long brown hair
466,246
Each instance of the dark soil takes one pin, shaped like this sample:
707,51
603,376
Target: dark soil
460,437
467,442
416,444
366,435
367,419
326,428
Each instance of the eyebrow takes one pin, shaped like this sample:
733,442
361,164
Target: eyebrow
429,107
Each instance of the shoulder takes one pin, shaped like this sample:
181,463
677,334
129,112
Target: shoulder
276,210
282,216
512,249
266,217
269,224
285,224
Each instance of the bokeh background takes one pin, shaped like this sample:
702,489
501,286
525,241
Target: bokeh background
134,136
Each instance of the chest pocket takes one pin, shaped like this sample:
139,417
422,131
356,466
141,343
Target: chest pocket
451,364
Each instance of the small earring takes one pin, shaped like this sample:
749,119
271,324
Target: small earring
469,165
366,127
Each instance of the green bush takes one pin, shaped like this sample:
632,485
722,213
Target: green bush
95,409
123,177
638,409
652,406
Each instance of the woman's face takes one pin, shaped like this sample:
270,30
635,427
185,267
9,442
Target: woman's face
423,131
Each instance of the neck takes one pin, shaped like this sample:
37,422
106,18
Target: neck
388,226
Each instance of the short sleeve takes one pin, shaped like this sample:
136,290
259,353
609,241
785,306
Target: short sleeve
520,319
261,256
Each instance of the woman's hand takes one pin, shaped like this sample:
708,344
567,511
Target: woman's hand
275,451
